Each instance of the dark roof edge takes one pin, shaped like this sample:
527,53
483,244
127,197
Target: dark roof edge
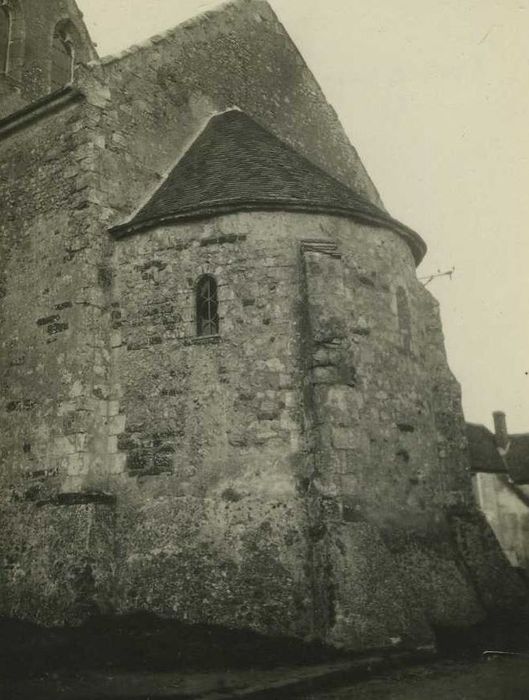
481,467
415,242
49,104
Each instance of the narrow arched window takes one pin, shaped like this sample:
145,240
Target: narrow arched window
404,318
207,306
12,39
5,38
62,60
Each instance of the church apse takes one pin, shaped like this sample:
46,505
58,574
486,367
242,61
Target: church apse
217,359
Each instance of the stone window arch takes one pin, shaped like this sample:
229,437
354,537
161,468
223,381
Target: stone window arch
207,306
62,57
5,34
404,318
69,46
12,38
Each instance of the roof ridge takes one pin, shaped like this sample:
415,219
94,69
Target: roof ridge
168,34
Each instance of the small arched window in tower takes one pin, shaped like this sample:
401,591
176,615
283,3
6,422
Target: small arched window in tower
207,306
62,60
404,318
5,38
12,39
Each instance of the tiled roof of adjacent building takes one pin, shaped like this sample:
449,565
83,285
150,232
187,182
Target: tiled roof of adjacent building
517,458
237,165
484,455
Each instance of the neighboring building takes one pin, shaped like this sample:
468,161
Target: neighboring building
500,466
224,393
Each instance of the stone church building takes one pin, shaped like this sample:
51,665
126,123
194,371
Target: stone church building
224,394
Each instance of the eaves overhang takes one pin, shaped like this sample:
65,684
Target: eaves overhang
235,164
213,209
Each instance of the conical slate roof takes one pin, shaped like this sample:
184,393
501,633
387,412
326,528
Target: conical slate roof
237,165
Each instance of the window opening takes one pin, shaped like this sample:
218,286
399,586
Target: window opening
207,306
5,38
62,61
404,316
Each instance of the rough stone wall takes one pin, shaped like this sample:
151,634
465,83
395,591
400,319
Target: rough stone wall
305,472
66,174
53,319
30,53
54,282
375,474
214,527
56,559
391,439
350,558
316,403
43,249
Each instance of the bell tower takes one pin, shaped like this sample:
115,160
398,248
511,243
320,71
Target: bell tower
40,45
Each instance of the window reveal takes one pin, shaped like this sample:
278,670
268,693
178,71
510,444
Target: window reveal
404,317
5,37
207,306
62,61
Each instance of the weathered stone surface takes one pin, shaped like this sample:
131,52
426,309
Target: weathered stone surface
32,26
297,473
57,559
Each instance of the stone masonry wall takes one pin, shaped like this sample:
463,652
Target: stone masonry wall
57,559
33,23
315,407
53,319
213,526
48,299
391,480
304,473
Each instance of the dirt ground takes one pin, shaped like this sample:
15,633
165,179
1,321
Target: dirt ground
497,679
140,658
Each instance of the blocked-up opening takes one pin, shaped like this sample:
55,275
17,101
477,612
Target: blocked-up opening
207,306
404,318
62,60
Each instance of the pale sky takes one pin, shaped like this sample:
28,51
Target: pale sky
434,94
